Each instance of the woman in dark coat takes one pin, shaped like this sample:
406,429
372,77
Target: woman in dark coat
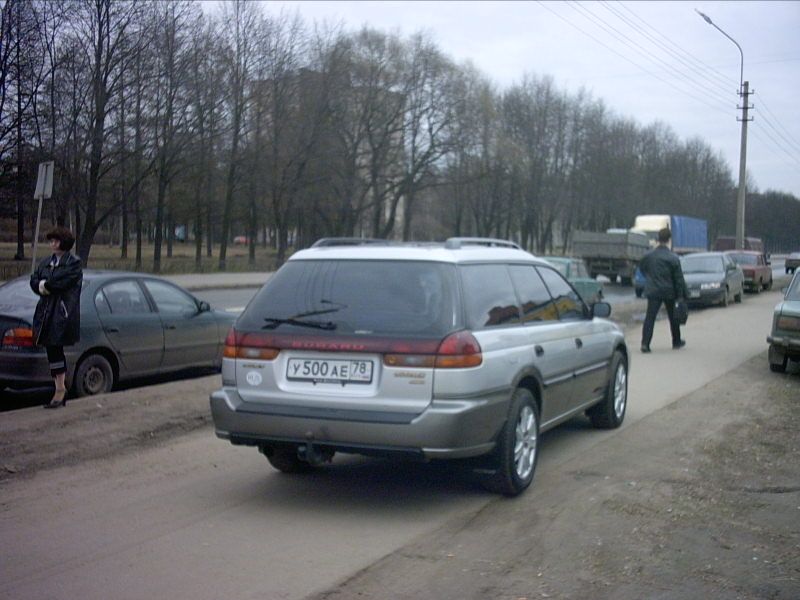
57,320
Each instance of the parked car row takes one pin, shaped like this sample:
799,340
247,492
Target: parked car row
132,325
719,277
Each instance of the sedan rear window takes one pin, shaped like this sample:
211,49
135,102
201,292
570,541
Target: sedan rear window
362,297
744,259
17,294
702,264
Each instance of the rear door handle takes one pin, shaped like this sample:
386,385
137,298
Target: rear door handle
539,350
111,329
579,342
170,326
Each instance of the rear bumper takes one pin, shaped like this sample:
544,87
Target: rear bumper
30,369
707,297
789,346
457,428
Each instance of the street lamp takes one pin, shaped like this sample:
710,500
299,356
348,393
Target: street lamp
744,93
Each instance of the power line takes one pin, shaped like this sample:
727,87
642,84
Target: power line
792,158
627,41
711,70
719,80
787,138
638,66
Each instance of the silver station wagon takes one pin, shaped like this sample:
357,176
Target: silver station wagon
467,349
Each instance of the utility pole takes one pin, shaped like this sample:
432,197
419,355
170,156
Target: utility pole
740,198
743,93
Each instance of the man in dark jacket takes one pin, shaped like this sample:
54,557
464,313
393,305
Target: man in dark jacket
664,284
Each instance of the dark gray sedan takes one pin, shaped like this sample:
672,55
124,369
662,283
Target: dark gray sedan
132,325
712,278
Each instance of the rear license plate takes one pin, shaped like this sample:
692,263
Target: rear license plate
694,294
329,370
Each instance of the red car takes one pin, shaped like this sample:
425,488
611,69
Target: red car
756,268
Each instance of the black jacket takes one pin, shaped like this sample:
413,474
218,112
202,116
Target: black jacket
57,319
664,276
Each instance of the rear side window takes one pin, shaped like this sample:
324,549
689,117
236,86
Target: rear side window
362,297
489,296
125,298
567,301
537,305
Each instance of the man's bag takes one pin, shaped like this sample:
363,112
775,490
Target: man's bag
681,312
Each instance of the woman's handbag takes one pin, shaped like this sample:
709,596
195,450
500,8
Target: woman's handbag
681,312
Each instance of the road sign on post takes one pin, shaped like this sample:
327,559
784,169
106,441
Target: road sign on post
44,189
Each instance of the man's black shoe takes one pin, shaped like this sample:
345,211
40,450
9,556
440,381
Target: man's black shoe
680,344
645,348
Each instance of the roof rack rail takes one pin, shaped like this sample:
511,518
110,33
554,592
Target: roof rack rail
454,243
346,241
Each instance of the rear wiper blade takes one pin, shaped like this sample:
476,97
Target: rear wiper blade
274,323
296,320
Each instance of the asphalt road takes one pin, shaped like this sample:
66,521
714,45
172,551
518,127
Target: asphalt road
197,517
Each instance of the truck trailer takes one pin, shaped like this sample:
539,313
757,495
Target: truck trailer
689,234
615,253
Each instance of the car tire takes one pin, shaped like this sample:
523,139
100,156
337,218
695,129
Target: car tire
517,450
93,376
777,360
639,292
768,285
610,412
725,298
738,297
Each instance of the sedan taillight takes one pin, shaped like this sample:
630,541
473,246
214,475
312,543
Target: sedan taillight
788,323
17,338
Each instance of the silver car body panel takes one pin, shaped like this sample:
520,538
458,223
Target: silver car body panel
438,413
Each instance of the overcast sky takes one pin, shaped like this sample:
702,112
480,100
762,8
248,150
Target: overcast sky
647,60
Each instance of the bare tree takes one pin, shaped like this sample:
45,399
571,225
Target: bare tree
241,30
174,26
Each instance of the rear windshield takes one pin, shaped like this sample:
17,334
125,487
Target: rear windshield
702,264
17,294
744,259
360,297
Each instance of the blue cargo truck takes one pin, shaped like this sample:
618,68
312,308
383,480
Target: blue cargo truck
689,234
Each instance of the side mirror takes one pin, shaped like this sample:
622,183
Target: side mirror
601,309
204,306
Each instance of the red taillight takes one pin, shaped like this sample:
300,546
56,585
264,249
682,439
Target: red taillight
249,346
459,351
20,337
456,351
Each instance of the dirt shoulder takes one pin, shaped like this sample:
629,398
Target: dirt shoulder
33,439
698,500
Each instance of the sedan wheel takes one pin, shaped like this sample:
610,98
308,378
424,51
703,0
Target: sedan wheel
94,375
